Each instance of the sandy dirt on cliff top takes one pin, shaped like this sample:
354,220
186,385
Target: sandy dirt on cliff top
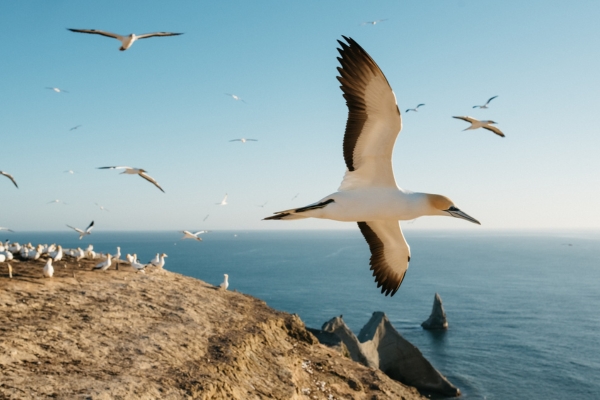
119,334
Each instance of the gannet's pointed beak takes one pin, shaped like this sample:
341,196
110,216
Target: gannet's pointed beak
455,212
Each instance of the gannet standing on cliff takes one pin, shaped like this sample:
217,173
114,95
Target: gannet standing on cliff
104,265
225,283
369,194
48,270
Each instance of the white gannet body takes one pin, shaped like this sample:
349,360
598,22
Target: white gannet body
136,171
82,232
137,265
126,41
225,283
223,202
476,124
104,265
48,270
190,235
369,194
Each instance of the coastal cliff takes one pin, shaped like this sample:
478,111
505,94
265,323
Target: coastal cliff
124,335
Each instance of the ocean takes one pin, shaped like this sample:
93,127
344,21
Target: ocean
523,308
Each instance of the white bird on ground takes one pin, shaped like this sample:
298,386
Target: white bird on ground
58,254
117,255
81,232
374,22
225,283
137,265
369,194
137,171
190,235
79,254
476,124
75,127
235,97
160,261
57,90
48,270
415,109
104,265
486,104
6,229
9,176
126,41
223,202
244,140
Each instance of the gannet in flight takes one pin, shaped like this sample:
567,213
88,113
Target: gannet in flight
476,124
9,176
235,97
6,229
225,283
75,127
69,171
48,270
223,202
101,207
190,235
368,193
83,233
415,109
56,201
374,22
126,41
104,265
486,104
137,171
294,198
57,90
244,140
205,218
263,205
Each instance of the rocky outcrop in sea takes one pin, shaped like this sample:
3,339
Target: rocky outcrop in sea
437,319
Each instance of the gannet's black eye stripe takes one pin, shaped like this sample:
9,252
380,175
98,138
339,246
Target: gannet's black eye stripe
453,209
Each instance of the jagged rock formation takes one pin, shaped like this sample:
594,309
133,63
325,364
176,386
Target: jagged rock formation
379,345
123,335
437,319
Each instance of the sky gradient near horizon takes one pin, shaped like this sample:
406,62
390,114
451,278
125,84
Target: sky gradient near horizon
161,106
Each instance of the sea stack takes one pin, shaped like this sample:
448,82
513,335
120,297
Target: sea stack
437,319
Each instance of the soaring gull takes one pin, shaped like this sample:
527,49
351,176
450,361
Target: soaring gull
374,22
369,194
235,97
486,104
126,41
81,232
416,109
476,124
223,202
9,176
190,235
244,140
57,90
137,171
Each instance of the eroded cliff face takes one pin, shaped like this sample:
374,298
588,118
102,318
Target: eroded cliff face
124,335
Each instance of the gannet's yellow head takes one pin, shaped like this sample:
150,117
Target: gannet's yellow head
442,205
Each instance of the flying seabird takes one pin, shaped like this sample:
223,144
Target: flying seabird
415,109
56,201
126,41
57,90
205,218
101,207
225,284
294,198
244,140
9,176
69,171
374,22
369,194
190,235
83,233
6,229
476,124
75,127
137,171
236,97
262,205
223,202
486,104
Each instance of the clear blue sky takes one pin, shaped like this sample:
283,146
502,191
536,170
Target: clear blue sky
161,106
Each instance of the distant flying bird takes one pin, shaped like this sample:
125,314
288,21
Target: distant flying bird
486,104
190,235
205,218
57,90
101,207
374,22
369,194
294,198
235,97
6,229
225,284
56,201
244,140
476,124
262,205
83,233
75,127
9,176
223,202
69,171
137,171
414,109
126,41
